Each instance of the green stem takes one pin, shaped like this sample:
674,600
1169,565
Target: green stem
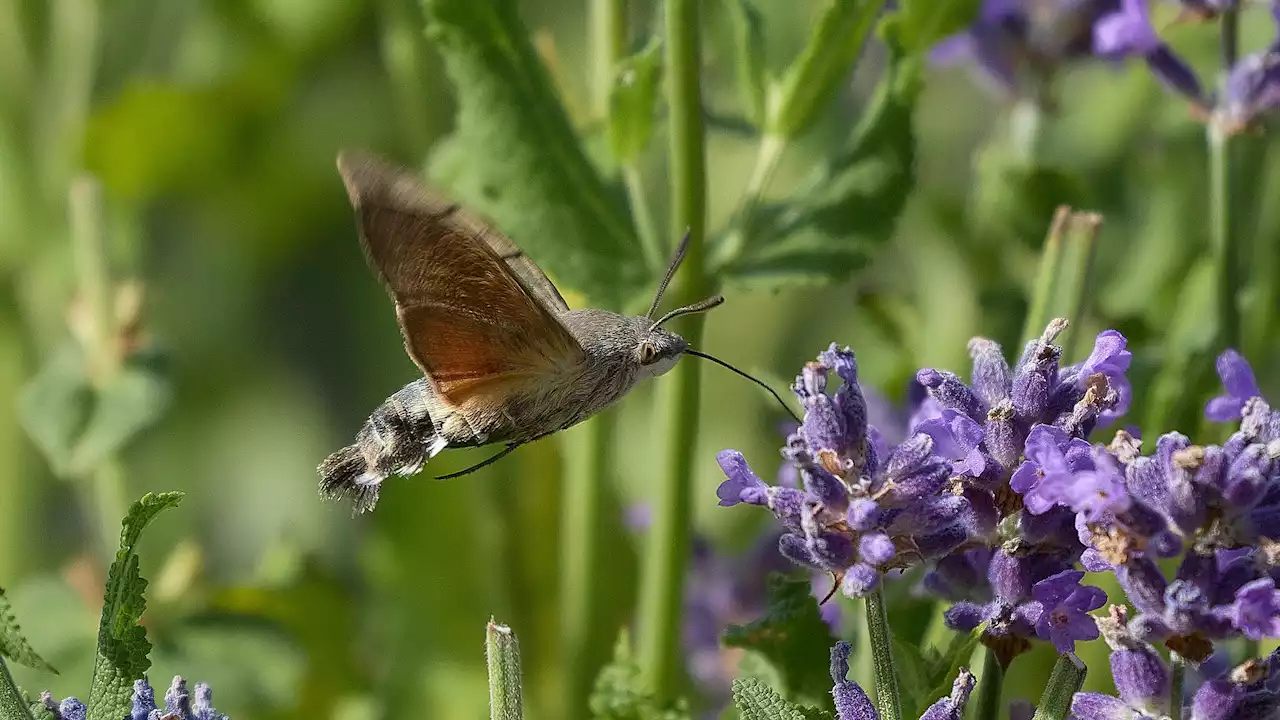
581,620
1222,229
502,651
1177,680
669,541
990,688
1026,125
1073,284
1042,293
15,486
607,22
12,705
650,242
888,699
1064,682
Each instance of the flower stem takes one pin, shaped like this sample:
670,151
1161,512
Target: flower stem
1039,311
12,704
1081,242
650,242
990,688
1026,124
669,541
607,21
581,620
1222,227
1177,679
1064,682
502,650
888,700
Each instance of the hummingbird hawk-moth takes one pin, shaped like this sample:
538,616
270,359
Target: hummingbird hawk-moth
503,357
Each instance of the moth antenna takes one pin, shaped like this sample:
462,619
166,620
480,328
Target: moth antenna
752,378
701,306
674,265
483,463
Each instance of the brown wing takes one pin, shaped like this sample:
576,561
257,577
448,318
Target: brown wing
473,321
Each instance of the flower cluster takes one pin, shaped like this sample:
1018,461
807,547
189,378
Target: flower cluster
852,702
998,491
1143,683
178,704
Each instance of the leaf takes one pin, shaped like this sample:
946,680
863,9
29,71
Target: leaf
54,406
749,57
515,157
913,676
633,101
945,667
122,643
922,23
621,693
791,636
506,692
814,76
757,701
13,706
851,204
130,402
13,645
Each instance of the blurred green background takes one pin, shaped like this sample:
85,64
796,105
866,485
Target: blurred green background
212,126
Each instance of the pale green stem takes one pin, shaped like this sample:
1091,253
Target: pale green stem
888,698
1177,680
502,651
666,559
12,704
650,242
607,22
990,688
586,640
1026,125
1064,682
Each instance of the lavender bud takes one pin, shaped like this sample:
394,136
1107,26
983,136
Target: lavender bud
951,393
1141,678
859,580
992,379
1010,577
1144,584
1004,441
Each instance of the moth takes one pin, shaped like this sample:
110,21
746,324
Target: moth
503,357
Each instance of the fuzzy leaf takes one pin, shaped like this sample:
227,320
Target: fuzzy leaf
757,701
13,706
749,57
12,643
851,204
122,643
621,693
792,637
633,100
515,157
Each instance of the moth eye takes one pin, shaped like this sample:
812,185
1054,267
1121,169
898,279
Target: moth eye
647,354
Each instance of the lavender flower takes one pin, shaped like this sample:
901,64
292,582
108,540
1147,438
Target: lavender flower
852,702
1240,385
178,704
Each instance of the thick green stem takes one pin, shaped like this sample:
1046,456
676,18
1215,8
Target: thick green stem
12,704
502,650
1222,228
990,688
607,22
888,699
586,640
1064,682
1177,680
669,541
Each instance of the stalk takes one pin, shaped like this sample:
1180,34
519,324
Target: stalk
1177,680
607,21
1073,285
1222,225
1064,682
506,694
582,622
990,688
1040,311
888,699
669,542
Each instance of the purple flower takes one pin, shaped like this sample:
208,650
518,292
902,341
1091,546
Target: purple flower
741,484
69,709
1237,379
1065,605
1256,612
1253,85
1110,358
956,437
852,702
1048,474
178,704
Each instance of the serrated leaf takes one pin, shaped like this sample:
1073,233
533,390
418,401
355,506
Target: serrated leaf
13,706
811,80
515,157
920,24
851,204
749,57
128,403
633,102
122,653
792,636
621,693
13,645
54,406
757,701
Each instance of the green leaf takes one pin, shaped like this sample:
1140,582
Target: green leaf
132,400
814,76
122,643
914,679
633,101
851,204
922,23
13,644
757,701
55,405
13,706
622,694
506,693
792,637
749,57
945,667
515,157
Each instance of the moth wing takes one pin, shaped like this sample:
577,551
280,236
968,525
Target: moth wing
474,328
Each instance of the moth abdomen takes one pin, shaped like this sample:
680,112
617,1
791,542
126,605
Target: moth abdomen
397,439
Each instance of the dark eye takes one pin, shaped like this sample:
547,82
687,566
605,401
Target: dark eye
647,354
